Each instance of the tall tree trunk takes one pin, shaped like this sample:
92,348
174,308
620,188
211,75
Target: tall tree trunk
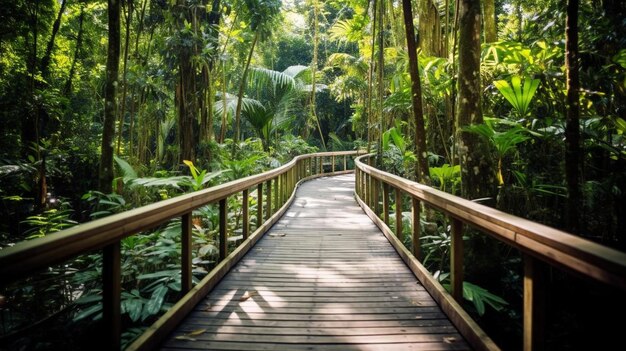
29,125
489,8
430,28
520,20
242,88
185,93
477,174
381,76
572,128
45,60
370,82
105,177
422,171
129,17
224,107
314,71
79,43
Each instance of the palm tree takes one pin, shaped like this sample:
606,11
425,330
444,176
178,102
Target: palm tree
275,96
261,15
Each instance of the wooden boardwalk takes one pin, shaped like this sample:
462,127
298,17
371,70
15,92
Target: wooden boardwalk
323,278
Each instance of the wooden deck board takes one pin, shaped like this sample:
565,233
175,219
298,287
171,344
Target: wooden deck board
323,278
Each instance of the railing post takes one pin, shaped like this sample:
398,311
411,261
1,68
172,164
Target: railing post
357,183
223,225
399,233
368,190
415,222
246,216
386,203
321,164
345,162
185,257
333,164
259,205
111,295
283,187
268,209
376,196
534,303
456,260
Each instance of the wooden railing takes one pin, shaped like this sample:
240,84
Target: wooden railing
539,244
105,234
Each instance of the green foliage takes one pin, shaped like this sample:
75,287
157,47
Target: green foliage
199,179
505,142
50,221
447,177
398,158
518,94
480,297
103,205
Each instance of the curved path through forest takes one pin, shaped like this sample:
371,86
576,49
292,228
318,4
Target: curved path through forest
323,278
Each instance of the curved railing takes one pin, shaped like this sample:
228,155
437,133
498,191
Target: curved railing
105,234
539,243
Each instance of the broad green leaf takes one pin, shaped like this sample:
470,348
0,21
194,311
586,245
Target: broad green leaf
156,301
133,307
88,312
127,170
517,94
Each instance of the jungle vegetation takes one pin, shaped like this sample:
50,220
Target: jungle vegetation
110,105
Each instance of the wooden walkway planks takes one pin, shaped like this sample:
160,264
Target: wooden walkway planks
323,278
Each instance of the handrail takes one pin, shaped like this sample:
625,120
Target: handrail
538,242
30,256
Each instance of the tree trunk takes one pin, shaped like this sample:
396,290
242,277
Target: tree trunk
110,104
429,29
79,43
381,76
422,170
572,128
185,94
45,60
242,88
370,83
30,125
224,107
129,18
478,179
314,71
489,7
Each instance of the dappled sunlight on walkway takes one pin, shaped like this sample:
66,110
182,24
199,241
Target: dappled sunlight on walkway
323,278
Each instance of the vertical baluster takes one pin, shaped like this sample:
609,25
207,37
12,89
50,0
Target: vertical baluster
357,182
386,203
283,187
415,223
321,164
246,216
185,258
259,205
399,233
376,196
345,162
268,212
111,295
333,164
534,303
367,188
223,227
456,260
